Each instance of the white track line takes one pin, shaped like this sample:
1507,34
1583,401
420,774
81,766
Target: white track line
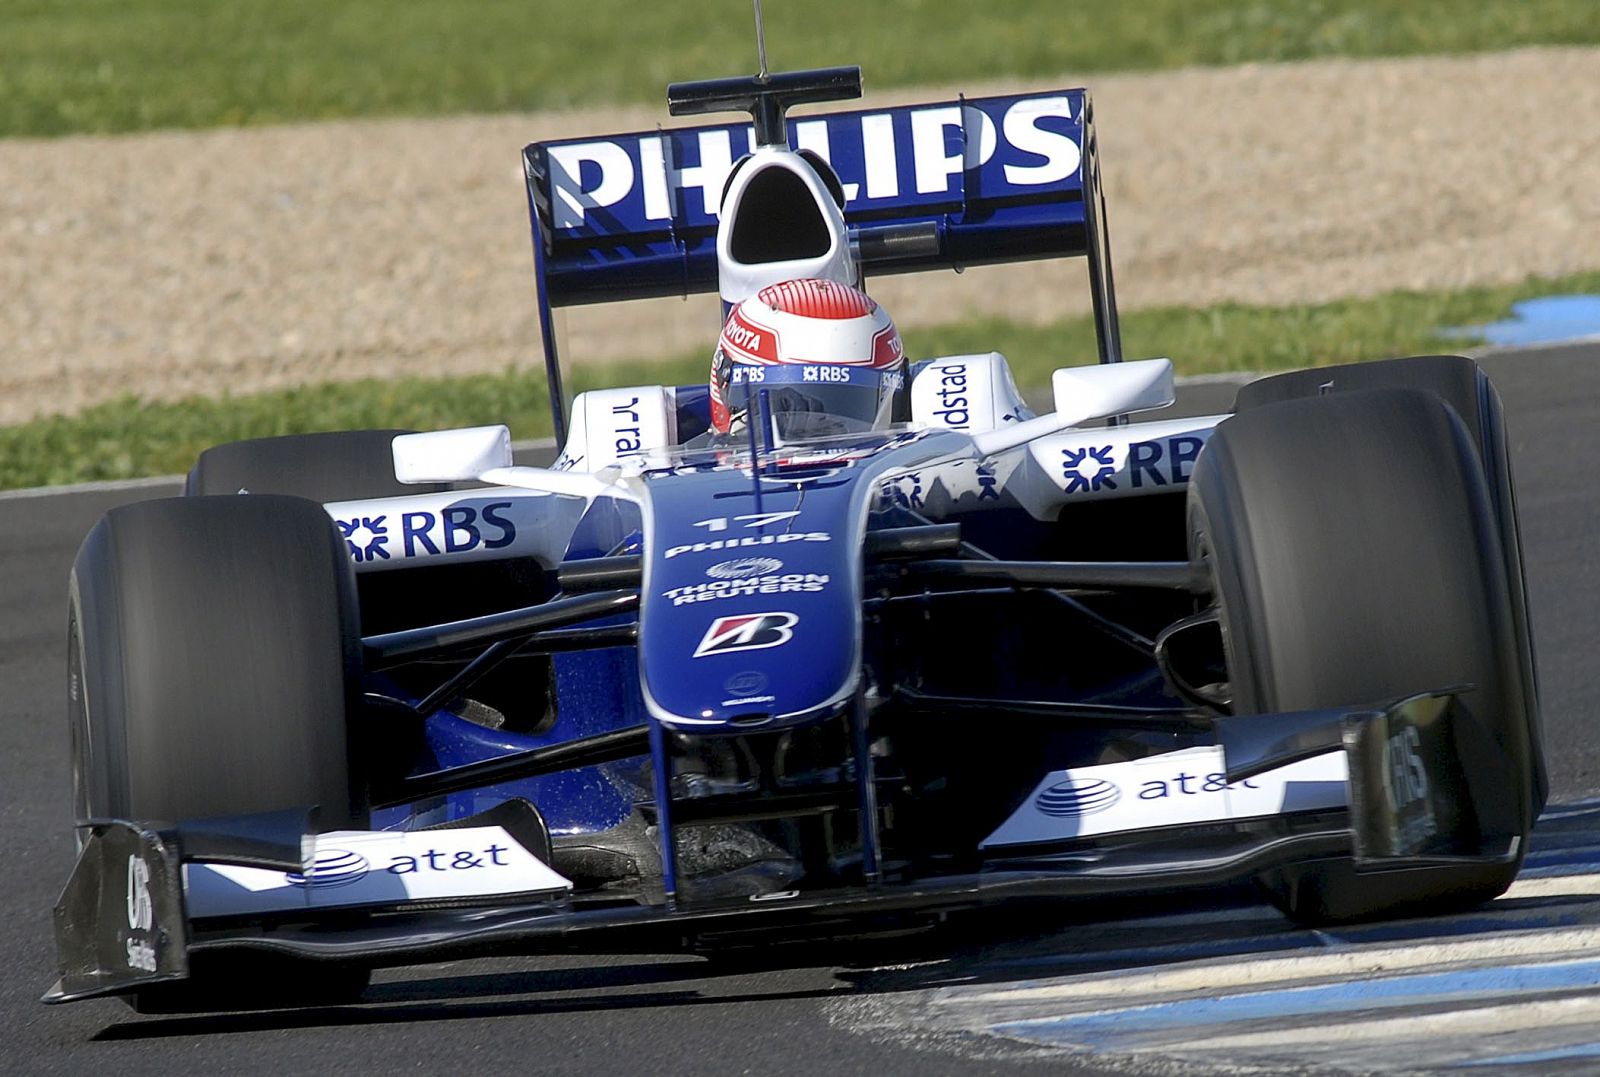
1554,886
1472,1023
1255,972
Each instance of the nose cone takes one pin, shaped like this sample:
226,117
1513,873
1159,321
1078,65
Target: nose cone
754,618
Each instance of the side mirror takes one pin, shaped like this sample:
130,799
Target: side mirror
1099,392
451,455
1089,392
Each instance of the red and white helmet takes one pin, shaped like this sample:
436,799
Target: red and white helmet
820,349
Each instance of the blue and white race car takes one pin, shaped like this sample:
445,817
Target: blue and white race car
835,639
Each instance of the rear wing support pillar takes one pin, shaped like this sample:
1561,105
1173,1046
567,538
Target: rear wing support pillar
1097,249
547,329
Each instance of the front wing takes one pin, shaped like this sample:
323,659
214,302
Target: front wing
142,900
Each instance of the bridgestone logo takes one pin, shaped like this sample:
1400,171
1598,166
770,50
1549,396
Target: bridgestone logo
747,632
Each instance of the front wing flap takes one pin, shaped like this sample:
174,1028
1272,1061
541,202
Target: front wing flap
123,922
141,899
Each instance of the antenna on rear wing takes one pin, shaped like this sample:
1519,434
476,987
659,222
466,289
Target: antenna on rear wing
766,96
761,45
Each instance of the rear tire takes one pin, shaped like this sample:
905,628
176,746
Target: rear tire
340,465
214,669
1356,558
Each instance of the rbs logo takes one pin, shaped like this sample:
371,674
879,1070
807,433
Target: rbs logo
453,529
817,372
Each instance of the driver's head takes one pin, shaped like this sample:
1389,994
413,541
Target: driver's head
828,357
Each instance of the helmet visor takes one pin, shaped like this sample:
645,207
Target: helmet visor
812,400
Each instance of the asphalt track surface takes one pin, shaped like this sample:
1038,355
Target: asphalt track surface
1189,990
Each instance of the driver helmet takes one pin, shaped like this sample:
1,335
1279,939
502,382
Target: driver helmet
827,357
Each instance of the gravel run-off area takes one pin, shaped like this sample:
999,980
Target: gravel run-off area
176,263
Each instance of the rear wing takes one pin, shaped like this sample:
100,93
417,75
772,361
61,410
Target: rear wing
974,181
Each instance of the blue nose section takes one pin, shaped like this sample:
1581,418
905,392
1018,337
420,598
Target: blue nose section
751,607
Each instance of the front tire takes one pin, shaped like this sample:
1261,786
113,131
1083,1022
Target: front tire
1356,558
214,669
216,662
1462,384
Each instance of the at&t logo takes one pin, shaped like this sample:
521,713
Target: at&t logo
333,867
1077,796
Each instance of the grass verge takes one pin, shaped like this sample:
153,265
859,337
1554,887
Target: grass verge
128,438
129,65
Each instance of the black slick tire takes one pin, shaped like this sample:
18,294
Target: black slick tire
340,465
215,647
1356,557
214,669
1463,385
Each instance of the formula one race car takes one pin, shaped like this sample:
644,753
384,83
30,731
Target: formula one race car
831,642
